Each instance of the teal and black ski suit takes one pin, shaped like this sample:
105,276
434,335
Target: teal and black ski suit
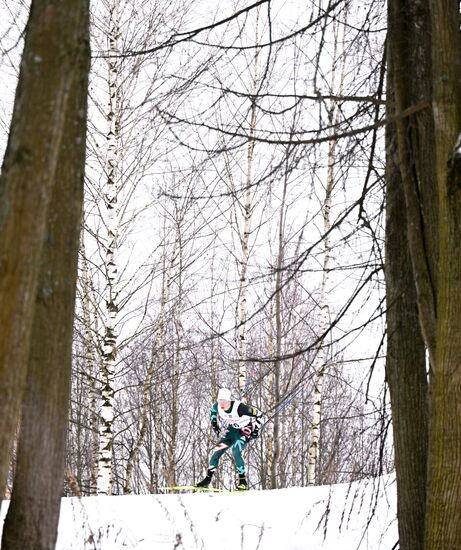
239,424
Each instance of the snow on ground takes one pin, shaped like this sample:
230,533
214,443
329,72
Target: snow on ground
359,516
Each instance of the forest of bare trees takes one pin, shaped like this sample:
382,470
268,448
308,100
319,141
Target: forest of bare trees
258,195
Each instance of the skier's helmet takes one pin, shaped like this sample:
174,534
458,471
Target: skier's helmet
224,394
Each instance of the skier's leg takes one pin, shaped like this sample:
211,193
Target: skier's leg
237,449
218,451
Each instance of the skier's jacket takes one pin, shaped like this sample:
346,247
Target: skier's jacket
238,416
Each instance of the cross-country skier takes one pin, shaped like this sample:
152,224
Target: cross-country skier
239,424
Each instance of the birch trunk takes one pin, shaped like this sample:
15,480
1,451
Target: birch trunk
245,236
272,402
173,424
320,361
278,331
91,367
109,355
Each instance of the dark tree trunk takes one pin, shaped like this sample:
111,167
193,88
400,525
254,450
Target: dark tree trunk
58,33
443,522
405,362
411,255
28,174
409,56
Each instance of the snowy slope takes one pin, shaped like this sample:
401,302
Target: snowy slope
342,517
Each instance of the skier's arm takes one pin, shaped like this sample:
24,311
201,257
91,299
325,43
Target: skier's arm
255,413
214,417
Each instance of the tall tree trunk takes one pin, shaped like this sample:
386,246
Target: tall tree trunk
271,405
245,234
277,365
443,520
409,43
405,360
26,182
412,138
58,33
111,200
91,366
176,368
320,361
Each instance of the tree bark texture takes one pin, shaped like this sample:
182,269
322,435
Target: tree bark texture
57,32
443,523
320,360
409,43
405,361
111,192
28,174
246,230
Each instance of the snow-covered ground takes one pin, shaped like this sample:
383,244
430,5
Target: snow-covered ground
341,517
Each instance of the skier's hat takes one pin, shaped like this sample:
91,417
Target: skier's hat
224,394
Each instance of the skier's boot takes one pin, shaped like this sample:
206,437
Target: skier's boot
242,484
205,481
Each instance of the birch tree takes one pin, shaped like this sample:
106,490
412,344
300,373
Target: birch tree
321,360
245,232
122,137
112,170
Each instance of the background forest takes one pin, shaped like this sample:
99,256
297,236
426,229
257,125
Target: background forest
248,168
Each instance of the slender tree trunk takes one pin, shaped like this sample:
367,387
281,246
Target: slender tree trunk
320,361
245,236
278,332
443,520
111,200
33,515
91,368
275,385
149,389
26,182
175,376
272,403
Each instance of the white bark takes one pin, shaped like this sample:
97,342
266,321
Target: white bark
109,352
245,236
320,361
90,363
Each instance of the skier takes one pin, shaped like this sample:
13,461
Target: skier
239,424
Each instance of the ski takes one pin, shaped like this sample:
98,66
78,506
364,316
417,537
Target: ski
193,488
178,488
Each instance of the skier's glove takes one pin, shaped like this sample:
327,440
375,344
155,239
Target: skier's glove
255,432
216,429
246,430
